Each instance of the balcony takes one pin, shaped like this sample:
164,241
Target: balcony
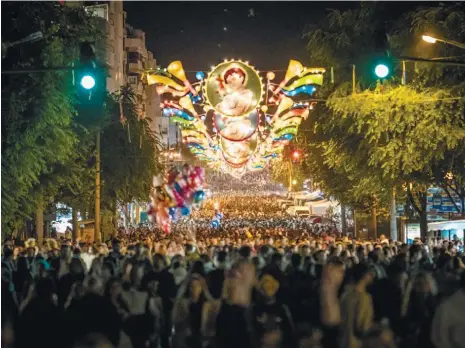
136,45
136,67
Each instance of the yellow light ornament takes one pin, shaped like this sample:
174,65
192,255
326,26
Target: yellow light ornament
264,108
152,79
175,68
311,79
270,75
295,68
186,103
285,104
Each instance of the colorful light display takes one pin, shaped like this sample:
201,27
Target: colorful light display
252,120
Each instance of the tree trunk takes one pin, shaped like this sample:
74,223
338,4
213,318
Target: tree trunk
424,214
343,219
463,205
40,225
137,213
76,231
423,224
393,215
374,229
355,223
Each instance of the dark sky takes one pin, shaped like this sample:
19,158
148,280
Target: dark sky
202,34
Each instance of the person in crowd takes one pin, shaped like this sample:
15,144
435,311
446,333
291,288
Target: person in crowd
187,311
357,307
260,280
272,320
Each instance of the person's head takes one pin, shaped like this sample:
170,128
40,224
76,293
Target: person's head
116,245
276,260
195,286
424,283
41,269
45,289
234,78
113,288
108,269
137,272
415,253
76,266
245,252
220,260
65,252
269,282
296,261
159,262
362,275
7,254
23,265
198,268
16,251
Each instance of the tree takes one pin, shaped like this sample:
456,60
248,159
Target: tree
286,168
390,135
127,153
37,108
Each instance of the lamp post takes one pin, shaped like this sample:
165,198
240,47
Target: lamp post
432,40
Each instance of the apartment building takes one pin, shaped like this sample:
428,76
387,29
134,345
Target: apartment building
111,49
139,60
125,52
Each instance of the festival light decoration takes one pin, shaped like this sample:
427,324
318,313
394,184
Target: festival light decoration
249,130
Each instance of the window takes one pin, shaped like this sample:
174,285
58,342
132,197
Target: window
132,80
98,11
133,57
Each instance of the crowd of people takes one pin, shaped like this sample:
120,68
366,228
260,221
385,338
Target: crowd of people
244,285
250,182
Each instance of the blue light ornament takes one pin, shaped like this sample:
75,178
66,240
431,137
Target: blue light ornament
199,75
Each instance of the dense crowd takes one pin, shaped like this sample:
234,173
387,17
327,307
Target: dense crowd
242,287
251,182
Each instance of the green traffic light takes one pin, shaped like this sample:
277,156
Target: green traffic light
381,70
87,82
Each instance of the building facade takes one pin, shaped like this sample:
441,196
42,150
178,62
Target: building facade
111,48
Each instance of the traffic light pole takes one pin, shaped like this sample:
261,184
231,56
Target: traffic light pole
97,235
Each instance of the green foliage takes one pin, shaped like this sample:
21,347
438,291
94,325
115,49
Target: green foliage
366,143
403,129
37,109
286,168
127,152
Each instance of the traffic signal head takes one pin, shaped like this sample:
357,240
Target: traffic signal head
87,81
382,70
86,76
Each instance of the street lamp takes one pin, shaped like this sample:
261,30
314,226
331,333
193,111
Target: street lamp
432,40
429,39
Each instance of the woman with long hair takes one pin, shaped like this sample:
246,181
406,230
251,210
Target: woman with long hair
187,311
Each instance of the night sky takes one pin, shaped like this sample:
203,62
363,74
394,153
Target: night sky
202,34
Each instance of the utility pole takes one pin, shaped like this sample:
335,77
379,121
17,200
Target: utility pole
97,235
